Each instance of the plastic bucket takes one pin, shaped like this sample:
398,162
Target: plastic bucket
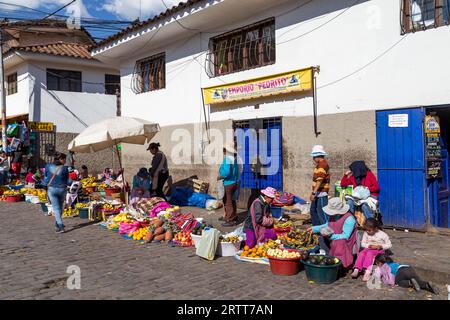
322,273
196,239
227,249
83,213
276,212
15,198
284,267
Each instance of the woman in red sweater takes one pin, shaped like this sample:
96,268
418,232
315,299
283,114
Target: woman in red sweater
360,175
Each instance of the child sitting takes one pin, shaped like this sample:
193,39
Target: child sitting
374,242
405,276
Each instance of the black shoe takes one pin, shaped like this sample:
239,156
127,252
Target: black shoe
229,224
432,288
221,219
415,284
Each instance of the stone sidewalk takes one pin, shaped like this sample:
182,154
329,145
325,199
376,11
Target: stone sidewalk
428,253
34,262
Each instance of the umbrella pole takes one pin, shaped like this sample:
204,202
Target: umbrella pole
123,176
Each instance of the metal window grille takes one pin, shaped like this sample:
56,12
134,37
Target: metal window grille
149,74
417,15
246,48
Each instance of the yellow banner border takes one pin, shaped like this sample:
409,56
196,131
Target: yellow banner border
260,78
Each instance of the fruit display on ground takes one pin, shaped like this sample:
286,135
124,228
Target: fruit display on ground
183,238
301,240
88,182
69,212
255,252
11,193
139,234
283,224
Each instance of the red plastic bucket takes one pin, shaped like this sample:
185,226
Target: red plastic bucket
15,198
110,191
284,267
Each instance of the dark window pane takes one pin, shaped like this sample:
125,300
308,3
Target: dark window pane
11,84
112,82
63,80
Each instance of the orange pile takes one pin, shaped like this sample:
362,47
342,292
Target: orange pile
255,252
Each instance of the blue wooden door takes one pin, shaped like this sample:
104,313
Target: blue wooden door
401,169
259,145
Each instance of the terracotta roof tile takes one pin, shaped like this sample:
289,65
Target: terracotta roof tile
73,50
136,26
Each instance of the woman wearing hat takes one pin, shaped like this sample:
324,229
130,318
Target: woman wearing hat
320,186
258,225
338,236
159,172
229,173
141,186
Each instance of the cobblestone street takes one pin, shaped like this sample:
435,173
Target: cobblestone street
34,261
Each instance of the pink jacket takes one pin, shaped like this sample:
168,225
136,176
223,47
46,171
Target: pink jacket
384,273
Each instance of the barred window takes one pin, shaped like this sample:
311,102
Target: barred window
112,83
11,84
246,48
149,74
420,15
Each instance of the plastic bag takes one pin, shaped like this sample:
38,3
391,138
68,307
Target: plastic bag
361,193
220,189
213,204
208,244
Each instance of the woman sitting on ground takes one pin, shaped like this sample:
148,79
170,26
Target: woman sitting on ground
338,235
258,225
141,186
360,175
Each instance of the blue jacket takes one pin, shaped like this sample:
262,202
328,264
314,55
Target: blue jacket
61,180
347,229
229,171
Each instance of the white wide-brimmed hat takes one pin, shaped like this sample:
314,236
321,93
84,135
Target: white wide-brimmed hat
230,148
336,207
317,151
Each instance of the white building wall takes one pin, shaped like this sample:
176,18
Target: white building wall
365,63
17,104
70,111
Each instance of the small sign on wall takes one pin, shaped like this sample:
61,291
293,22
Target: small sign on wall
398,121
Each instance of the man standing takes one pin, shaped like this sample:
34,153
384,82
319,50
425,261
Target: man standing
320,186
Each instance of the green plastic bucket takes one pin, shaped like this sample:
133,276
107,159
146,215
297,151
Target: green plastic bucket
83,213
322,273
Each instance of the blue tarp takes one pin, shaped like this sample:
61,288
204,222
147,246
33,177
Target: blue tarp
185,197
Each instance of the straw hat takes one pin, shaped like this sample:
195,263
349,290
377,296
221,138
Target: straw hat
318,150
336,207
230,148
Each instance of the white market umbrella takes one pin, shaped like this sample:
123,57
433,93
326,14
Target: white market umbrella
111,132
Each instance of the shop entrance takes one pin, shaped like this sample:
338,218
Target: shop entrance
439,187
259,143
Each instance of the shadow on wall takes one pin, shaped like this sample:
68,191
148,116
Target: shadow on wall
96,162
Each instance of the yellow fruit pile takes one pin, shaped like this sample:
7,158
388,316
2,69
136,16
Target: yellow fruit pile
139,234
102,187
81,205
122,217
232,239
11,193
34,192
88,182
69,212
108,207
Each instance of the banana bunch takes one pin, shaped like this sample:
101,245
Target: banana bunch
11,193
122,217
88,182
102,187
285,224
108,207
113,226
81,205
69,212
139,234
232,239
